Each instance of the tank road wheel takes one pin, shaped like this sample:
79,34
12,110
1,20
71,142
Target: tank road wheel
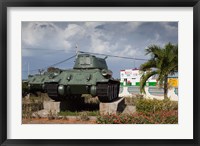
52,91
107,92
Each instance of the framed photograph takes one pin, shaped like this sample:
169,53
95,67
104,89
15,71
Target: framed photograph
99,72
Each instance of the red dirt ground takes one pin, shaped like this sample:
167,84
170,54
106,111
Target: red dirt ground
57,121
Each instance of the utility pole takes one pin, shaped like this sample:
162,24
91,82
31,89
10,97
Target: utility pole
134,63
28,68
77,50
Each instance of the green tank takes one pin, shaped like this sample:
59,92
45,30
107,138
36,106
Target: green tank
90,75
36,82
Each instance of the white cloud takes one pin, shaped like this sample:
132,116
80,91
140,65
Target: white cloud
132,26
98,45
100,37
157,37
74,30
47,35
42,35
128,51
93,24
170,27
154,40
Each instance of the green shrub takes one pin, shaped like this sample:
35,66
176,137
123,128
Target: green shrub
161,117
24,88
149,105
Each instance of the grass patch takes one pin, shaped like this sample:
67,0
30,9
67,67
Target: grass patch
77,113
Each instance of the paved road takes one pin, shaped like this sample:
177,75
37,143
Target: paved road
152,90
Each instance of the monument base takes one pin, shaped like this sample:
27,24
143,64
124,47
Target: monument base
113,107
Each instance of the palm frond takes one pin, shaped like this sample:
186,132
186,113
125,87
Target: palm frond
164,60
147,65
144,78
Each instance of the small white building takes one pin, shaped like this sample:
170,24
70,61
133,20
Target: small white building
131,77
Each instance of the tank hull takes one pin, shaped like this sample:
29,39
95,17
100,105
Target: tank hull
72,83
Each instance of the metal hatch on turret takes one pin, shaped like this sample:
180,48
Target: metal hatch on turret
87,61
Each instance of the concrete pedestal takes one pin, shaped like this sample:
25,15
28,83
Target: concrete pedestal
112,107
130,109
52,106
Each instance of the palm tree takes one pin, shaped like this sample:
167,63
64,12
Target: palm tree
164,61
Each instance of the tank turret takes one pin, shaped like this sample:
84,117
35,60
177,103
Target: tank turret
86,61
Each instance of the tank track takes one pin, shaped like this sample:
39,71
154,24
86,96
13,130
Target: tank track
52,91
108,92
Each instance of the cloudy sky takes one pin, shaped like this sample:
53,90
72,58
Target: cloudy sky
46,43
